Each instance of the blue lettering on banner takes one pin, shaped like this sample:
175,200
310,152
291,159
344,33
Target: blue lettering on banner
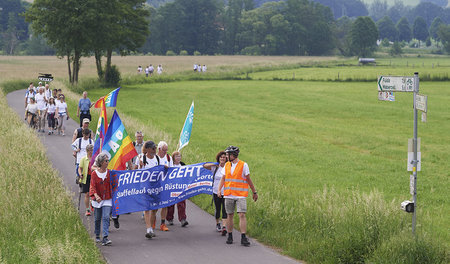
158,187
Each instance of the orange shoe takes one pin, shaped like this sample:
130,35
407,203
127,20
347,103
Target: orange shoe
163,227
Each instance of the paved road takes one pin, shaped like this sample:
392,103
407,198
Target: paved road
196,243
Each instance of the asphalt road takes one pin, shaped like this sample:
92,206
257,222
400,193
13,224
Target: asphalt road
197,243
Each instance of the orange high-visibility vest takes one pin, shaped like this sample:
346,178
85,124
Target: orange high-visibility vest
235,184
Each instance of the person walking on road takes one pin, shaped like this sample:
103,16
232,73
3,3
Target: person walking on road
236,180
79,150
78,132
51,109
101,195
84,108
219,203
148,159
138,144
41,102
61,109
181,206
164,159
85,176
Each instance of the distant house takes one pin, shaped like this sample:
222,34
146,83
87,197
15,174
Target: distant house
366,61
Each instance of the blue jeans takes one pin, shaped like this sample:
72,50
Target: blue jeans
102,215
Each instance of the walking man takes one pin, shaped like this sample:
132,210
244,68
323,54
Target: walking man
236,180
84,108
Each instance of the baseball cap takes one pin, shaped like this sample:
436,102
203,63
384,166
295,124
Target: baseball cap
86,120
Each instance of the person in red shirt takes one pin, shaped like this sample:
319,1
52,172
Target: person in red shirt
101,195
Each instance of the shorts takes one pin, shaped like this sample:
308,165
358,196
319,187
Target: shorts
231,204
85,187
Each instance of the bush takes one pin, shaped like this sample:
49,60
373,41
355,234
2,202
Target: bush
112,76
170,53
385,42
396,49
184,53
197,53
251,50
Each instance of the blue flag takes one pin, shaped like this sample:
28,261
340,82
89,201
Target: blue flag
157,187
185,134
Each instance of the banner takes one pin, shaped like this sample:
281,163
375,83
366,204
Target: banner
158,187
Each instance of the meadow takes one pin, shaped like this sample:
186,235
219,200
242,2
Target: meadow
328,159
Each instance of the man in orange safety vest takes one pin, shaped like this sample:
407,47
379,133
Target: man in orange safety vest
236,180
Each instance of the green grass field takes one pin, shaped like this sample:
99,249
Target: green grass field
308,140
436,68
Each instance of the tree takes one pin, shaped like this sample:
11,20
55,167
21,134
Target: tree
67,25
364,35
437,22
444,35
428,11
420,30
404,30
11,35
397,11
396,49
342,30
387,29
120,25
378,9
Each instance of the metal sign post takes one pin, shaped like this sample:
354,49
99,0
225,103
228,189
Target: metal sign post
390,84
416,91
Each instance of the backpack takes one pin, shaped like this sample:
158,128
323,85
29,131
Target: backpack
80,133
79,143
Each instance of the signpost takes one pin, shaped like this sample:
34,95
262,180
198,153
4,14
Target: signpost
45,77
396,83
408,84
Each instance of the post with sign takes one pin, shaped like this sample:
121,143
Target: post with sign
416,91
387,84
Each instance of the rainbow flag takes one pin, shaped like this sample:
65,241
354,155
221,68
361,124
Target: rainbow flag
110,100
102,127
118,144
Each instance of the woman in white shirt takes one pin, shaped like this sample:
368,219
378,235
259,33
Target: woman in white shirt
30,113
61,110
219,203
51,109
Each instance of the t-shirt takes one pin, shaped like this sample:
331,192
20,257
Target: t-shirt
48,93
165,161
84,104
150,162
245,172
95,204
82,151
40,101
61,108
29,94
217,178
51,108
138,148
84,165
32,108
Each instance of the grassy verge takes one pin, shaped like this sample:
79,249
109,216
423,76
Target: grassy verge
38,222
